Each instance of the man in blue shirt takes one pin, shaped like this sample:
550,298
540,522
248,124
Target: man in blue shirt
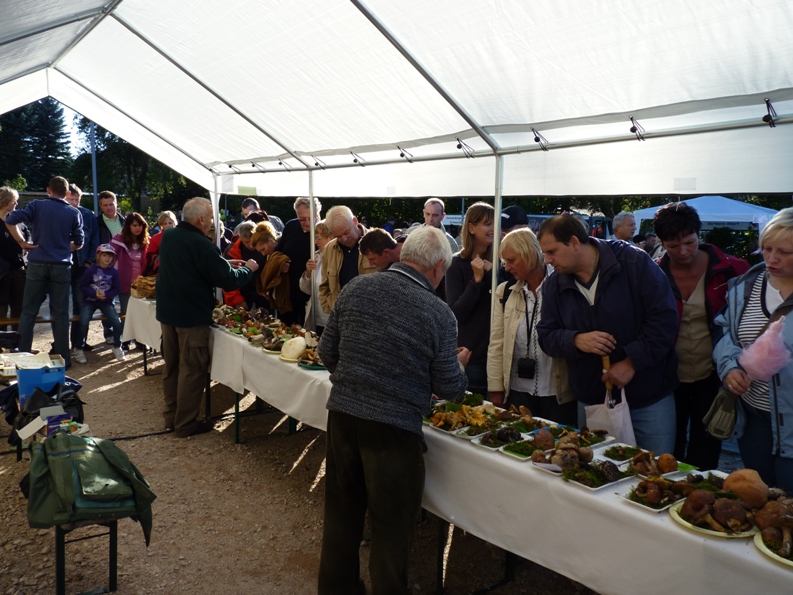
57,229
81,260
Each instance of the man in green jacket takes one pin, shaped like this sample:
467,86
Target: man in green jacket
191,267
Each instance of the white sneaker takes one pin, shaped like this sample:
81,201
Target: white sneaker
79,356
109,340
119,353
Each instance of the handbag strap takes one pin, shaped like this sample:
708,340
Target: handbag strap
777,314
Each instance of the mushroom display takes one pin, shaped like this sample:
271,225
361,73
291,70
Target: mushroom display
698,507
734,515
785,524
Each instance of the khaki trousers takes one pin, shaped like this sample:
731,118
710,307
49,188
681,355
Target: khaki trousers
186,355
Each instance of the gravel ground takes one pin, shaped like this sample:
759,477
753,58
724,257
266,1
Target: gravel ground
228,518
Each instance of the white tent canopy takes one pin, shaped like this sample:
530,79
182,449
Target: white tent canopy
222,92
718,209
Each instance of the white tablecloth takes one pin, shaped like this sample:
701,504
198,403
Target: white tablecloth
296,391
594,538
141,324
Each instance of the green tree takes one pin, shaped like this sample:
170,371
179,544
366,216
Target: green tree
15,155
48,144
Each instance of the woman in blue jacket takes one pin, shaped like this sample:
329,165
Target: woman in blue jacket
764,293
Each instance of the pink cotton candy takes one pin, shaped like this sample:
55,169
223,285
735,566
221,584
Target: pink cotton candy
767,355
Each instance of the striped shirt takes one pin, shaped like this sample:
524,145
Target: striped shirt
762,303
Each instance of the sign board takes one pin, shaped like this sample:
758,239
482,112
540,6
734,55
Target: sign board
453,219
734,225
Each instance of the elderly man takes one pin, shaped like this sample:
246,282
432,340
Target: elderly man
190,268
380,249
624,227
81,260
342,260
295,242
610,299
57,231
383,375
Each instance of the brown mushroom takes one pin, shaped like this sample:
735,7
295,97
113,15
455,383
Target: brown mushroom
771,536
667,463
748,486
586,454
766,515
544,439
698,506
785,523
731,515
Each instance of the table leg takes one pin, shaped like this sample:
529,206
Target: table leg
19,448
60,561
145,361
208,410
236,418
510,562
291,426
113,555
443,529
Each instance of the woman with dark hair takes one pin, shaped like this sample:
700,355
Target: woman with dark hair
130,245
698,274
468,283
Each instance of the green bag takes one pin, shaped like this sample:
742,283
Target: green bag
722,415
74,478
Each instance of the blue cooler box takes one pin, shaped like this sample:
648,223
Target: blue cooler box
44,378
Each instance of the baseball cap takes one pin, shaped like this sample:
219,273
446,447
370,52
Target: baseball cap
512,216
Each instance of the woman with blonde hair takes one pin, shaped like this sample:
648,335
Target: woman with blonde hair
762,295
12,263
468,290
519,372
165,220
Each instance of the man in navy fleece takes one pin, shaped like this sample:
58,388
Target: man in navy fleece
57,230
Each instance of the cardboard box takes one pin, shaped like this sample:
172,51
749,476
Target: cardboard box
44,377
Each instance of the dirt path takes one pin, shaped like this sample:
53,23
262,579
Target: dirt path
242,519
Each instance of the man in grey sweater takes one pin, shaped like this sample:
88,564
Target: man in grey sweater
384,374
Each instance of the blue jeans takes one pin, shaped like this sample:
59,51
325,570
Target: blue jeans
123,300
756,446
108,311
43,280
653,426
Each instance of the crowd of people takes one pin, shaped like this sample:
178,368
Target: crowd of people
407,313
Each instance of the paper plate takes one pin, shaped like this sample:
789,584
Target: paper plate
758,541
272,352
674,512
288,359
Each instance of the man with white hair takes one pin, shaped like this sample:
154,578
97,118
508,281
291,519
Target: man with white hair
624,226
342,260
384,374
190,268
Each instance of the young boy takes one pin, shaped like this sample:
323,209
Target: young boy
100,284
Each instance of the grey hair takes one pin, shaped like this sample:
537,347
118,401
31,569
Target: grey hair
620,217
305,201
245,229
7,196
195,208
435,201
426,246
337,215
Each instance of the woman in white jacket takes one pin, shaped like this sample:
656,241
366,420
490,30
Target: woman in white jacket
518,371
322,235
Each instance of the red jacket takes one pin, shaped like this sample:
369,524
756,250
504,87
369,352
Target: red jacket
152,254
721,268
233,298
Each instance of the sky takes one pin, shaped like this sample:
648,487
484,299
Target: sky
74,139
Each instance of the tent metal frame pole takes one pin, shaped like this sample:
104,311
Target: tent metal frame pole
312,213
518,150
138,122
216,217
24,73
102,16
427,76
497,204
208,89
76,18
